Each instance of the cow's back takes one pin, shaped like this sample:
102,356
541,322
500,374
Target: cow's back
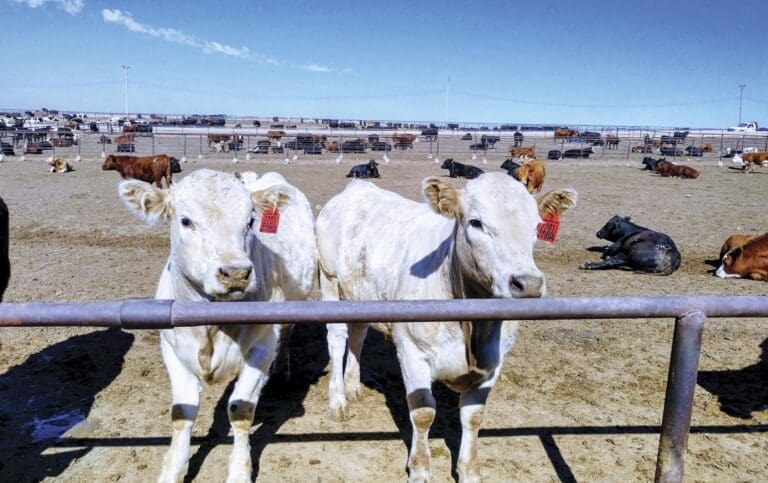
381,246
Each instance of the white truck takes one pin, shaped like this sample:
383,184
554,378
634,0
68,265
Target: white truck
744,127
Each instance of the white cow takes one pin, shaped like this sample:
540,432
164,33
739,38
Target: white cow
214,256
471,243
294,270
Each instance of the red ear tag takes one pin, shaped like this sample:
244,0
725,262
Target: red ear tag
270,220
547,230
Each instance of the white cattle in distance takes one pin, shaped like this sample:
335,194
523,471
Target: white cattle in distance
215,257
472,243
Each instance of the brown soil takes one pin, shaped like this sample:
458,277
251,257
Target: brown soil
580,398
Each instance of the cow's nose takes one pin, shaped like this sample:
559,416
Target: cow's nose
526,285
235,277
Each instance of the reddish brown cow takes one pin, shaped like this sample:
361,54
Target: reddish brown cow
565,133
735,241
403,140
216,138
751,159
276,135
531,173
748,261
522,151
151,169
665,168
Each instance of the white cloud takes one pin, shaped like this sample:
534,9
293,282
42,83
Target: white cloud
176,36
126,20
215,47
316,68
72,7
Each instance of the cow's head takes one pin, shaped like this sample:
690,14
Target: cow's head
447,164
612,226
109,163
731,264
210,214
496,231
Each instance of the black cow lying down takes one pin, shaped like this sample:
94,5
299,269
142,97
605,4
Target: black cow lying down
368,170
636,248
459,170
649,163
511,168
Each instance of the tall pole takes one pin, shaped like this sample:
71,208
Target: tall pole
447,91
741,92
125,69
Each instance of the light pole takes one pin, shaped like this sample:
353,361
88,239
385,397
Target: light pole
125,69
741,92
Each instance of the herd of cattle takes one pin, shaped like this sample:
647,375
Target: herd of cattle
475,242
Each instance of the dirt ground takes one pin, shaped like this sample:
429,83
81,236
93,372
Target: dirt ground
577,399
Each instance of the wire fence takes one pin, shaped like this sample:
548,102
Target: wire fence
320,141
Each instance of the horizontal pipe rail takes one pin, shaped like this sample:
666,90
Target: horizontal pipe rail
164,314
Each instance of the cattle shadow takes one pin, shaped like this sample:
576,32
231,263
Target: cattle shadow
50,393
740,392
279,402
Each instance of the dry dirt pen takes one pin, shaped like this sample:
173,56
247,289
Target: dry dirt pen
575,397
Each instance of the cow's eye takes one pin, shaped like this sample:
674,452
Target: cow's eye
250,223
186,222
475,223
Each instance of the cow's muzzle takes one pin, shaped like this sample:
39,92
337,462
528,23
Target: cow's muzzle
235,278
523,286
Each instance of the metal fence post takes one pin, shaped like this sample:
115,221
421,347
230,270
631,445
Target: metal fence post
678,402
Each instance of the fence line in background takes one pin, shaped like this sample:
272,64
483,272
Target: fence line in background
690,313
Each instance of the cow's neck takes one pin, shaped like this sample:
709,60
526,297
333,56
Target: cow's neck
482,338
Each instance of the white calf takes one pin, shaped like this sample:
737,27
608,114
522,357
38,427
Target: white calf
213,257
471,243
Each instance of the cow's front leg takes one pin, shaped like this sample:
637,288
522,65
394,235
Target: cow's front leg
337,347
185,400
472,407
417,377
242,403
357,334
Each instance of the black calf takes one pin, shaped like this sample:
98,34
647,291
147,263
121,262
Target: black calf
636,248
459,170
368,170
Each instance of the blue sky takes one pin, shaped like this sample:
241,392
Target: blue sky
675,63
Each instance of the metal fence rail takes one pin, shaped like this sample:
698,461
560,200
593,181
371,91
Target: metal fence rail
690,313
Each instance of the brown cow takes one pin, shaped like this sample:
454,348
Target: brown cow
748,261
565,133
666,168
215,138
60,166
331,146
611,141
531,173
276,135
520,151
124,139
640,148
151,169
735,241
707,148
751,159
403,140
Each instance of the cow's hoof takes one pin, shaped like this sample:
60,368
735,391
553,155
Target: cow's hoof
352,392
339,412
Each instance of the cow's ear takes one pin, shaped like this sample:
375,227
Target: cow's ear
274,197
145,200
557,201
442,197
